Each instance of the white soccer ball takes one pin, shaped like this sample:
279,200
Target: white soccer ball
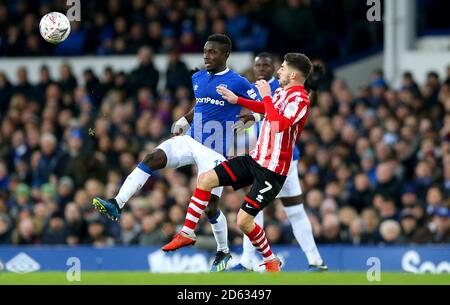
54,27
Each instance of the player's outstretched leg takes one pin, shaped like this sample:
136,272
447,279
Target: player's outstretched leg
220,230
301,227
199,201
258,238
134,182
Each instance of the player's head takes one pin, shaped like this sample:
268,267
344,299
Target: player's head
264,67
216,52
295,69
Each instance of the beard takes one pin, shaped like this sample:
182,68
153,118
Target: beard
283,82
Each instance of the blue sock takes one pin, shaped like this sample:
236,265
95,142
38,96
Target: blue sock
142,166
213,220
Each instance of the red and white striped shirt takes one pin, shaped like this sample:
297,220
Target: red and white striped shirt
274,148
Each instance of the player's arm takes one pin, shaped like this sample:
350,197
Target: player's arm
254,106
281,122
266,107
313,80
246,119
232,98
291,115
190,115
182,125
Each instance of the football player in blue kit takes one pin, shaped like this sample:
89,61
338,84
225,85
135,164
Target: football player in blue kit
206,144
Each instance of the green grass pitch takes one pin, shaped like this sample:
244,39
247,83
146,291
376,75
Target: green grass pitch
242,278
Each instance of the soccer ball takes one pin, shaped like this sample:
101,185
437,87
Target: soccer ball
54,27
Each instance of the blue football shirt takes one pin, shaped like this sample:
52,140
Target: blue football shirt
213,116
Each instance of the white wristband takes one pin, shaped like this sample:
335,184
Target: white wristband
183,121
257,117
181,126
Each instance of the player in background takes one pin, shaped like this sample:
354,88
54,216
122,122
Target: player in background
267,167
209,121
291,194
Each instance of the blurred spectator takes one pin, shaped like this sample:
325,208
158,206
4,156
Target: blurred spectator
23,86
6,91
177,74
330,230
97,234
66,188
387,184
361,195
129,229
146,74
434,199
50,162
408,224
370,222
4,177
347,216
21,200
5,229
390,232
437,231
273,233
75,225
67,82
80,164
24,233
150,233
54,232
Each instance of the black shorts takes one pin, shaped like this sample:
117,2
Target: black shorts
244,171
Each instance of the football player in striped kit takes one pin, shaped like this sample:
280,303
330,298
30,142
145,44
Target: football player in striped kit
291,194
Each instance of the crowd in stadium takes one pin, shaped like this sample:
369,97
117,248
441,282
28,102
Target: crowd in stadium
330,29
374,165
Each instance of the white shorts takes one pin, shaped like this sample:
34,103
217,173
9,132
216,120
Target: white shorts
184,150
291,187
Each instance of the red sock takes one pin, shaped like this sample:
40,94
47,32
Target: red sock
260,242
199,202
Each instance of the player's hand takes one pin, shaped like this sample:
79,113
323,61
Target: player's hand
245,121
263,88
180,127
227,94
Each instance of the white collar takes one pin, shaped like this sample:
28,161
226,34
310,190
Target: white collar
222,73
271,80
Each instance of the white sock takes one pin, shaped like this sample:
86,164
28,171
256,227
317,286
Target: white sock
220,231
134,182
301,227
248,253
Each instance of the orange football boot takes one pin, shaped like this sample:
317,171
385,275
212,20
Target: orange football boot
180,240
273,265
